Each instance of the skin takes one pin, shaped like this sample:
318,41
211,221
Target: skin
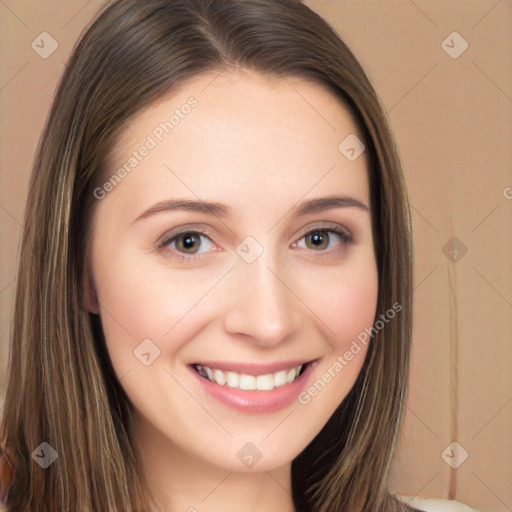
260,146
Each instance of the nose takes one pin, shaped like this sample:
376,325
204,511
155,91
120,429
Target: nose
262,304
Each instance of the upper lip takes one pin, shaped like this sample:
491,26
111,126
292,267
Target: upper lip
251,368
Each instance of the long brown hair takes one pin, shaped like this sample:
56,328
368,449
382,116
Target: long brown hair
61,388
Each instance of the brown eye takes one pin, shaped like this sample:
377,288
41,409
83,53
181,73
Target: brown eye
187,243
319,239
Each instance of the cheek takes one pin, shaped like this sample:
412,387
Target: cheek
346,302
140,301
132,305
347,309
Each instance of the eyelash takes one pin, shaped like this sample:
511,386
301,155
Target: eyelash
344,236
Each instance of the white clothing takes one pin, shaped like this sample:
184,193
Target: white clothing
436,504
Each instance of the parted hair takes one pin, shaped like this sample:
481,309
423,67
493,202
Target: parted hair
60,385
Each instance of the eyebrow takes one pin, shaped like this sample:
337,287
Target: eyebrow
221,210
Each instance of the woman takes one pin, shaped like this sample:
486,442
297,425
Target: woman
258,370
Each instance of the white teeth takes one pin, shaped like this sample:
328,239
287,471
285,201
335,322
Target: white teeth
246,382
220,377
265,382
290,375
280,378
233,379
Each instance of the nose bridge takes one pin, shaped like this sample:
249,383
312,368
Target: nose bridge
262,306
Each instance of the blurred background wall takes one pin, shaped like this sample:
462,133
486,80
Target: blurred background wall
443,70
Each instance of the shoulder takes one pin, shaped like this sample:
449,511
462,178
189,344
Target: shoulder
436,504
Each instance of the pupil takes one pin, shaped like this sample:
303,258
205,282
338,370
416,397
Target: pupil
318,238
189,240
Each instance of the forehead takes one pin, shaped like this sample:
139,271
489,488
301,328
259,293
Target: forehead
240,133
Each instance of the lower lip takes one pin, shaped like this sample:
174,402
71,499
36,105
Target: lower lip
256,401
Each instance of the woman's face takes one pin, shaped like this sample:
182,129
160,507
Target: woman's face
218,266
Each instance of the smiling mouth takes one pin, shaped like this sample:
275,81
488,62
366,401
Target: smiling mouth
249,382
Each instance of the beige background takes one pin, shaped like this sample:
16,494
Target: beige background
453,121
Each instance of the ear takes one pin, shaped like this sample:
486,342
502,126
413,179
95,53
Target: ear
90,299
